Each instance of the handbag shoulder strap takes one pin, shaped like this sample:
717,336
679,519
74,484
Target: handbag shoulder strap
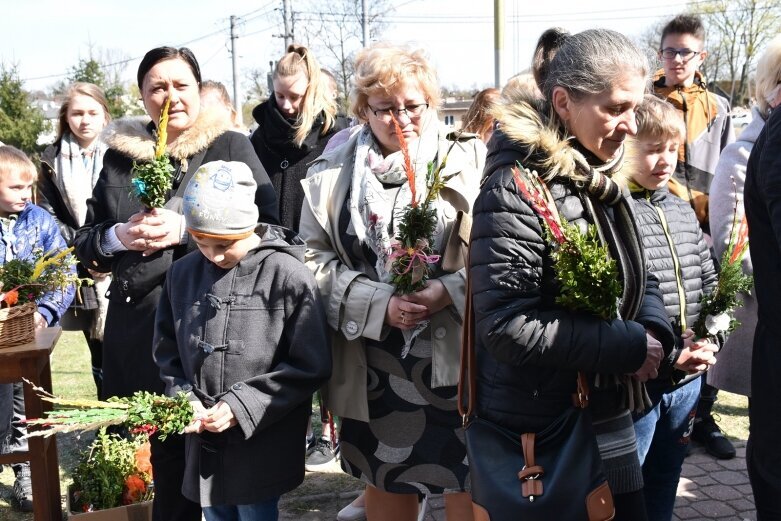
467,378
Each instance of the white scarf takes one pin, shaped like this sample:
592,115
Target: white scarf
371,205
77,171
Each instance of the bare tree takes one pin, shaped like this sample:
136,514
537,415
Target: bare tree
334,31
649,42
256,85
737,32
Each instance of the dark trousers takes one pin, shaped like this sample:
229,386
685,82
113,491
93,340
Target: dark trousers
17,442
96,360
708,396
763,453
168,473
630,506
766,489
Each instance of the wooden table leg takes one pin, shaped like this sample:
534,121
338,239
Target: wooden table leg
43,452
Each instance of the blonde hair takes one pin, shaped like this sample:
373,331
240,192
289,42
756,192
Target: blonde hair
317,98
14,160
768,73
521,86
384,68
658,119
479,118
80,89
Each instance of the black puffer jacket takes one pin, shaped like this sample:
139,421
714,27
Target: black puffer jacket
677,255
529,349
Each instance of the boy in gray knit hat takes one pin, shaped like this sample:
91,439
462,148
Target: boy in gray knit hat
240,327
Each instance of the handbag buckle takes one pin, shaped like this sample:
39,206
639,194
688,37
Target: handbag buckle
531,483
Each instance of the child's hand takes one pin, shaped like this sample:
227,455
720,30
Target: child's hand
219,418
199,413
697,356
40,321
688,338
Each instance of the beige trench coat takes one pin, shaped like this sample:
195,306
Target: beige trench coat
356,305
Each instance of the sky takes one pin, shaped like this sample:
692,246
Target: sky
45,38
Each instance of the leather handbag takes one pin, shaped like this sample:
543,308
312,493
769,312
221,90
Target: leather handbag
554,474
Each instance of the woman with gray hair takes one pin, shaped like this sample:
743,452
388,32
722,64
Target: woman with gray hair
530,348
733,372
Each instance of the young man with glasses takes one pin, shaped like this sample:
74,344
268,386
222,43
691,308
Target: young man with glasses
708,131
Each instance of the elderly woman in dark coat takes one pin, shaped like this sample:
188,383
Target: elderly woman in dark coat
529,348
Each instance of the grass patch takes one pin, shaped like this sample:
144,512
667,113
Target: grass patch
731,411
72,378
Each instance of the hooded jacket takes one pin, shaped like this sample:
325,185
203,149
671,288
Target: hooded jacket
137,280
254,336
708,130
285,162
35,229
529,349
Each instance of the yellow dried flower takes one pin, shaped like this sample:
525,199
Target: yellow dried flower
162,130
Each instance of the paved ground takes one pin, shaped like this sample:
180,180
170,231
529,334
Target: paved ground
709,489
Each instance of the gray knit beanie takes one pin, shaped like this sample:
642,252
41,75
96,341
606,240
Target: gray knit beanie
220,200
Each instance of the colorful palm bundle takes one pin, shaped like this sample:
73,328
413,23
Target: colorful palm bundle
717,309
152,180
588,276
412,255
28,279
143,413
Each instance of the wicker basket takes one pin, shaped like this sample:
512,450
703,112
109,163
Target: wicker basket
17,325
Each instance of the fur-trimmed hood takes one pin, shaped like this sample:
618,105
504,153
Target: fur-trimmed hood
133,137
528,128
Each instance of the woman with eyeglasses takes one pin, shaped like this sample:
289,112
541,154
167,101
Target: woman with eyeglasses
400,431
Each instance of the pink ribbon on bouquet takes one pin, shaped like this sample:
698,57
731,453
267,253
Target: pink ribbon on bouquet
415,253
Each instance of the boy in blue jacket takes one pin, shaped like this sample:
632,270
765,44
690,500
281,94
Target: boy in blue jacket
677,254
241,328
25,228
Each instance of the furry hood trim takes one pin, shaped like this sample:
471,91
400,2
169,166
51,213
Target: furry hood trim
131,136
527,122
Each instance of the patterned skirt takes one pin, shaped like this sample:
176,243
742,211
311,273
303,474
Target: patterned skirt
413,442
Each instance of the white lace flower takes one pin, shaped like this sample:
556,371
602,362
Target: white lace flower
718,323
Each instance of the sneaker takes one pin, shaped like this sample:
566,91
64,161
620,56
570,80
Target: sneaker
310,444
322,454
23,490
707,433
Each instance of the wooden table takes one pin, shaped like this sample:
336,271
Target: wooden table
31,361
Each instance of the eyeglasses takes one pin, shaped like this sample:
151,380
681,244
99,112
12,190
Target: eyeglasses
412,111
670,53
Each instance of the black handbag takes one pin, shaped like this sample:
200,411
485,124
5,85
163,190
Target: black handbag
553,475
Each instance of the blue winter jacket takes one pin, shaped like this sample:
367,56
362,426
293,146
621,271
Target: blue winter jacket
34,228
